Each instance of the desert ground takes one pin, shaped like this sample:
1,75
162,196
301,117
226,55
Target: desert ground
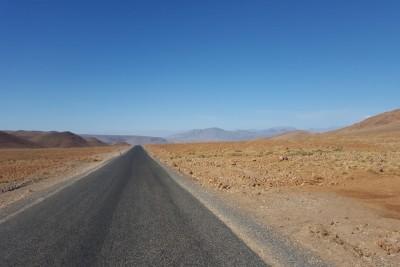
336,193
28,169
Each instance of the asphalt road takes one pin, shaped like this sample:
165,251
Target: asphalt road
127,213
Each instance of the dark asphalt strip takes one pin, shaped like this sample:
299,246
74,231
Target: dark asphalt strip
128,213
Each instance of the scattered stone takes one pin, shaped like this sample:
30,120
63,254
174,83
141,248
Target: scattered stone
318,230
222,186
391,246
282,158
338,240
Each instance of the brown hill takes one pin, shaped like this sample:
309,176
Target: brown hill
294,135
386,122
10,141
57,139
92,141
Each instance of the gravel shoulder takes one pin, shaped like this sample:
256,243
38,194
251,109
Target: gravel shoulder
273,247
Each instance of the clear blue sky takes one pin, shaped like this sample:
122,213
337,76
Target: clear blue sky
144,66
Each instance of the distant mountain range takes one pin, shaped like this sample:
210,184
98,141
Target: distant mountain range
128,139
384,123
218,134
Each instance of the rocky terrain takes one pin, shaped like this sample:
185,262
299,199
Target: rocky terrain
273,163
337,193
25,171
19,167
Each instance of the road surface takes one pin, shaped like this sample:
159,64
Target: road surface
127,213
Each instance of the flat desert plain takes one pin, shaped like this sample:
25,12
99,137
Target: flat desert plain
26,169
337,193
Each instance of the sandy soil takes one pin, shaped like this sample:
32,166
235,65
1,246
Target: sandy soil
24,171
337,195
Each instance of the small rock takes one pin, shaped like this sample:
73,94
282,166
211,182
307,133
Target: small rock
282,158
226,187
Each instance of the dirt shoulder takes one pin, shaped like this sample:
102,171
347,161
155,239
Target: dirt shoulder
338,197
24,172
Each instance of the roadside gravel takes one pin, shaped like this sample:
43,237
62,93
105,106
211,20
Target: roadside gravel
272,247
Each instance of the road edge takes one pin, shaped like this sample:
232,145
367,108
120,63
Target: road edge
273,248
35,198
